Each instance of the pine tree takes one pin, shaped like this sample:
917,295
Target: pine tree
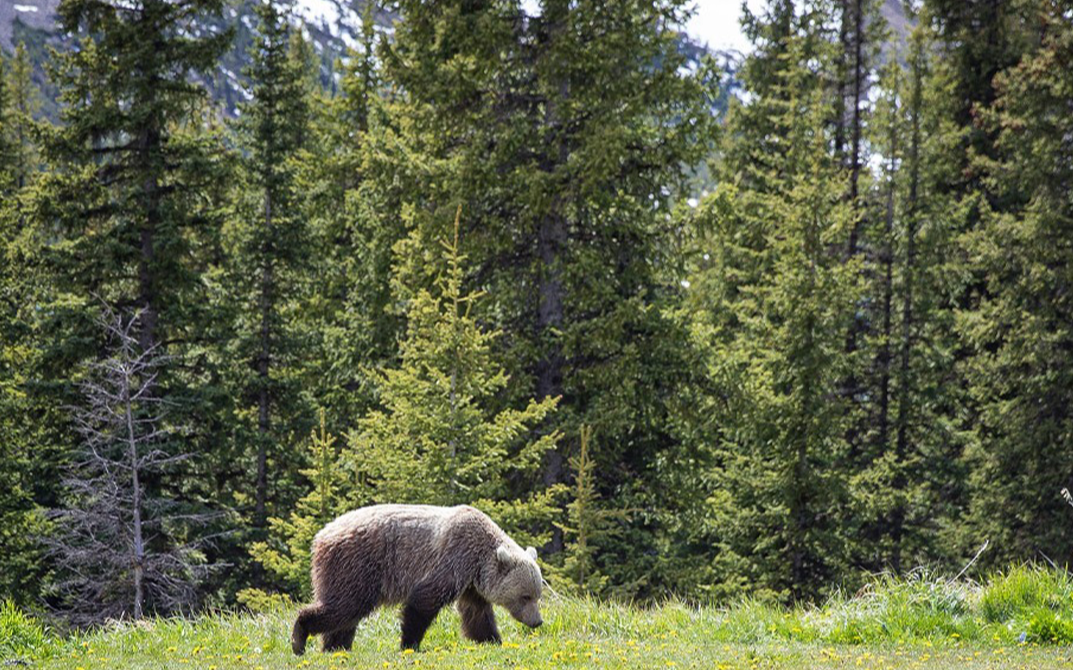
126,176
772,298
352,198
437,439
25,103
286,554
1019,333
567,133
587,523
266,244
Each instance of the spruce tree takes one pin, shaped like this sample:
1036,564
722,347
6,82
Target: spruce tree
17,521
772,298
1020,374
587,522
128,166
437,437
352,201
980,39
25,105
567,134
267,244
126,215
908,488
861,34
7,144
285,554
27,452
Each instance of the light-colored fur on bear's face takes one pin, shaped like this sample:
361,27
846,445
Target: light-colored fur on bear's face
516,583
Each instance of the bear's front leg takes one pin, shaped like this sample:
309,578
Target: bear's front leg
425,602
478,618
415,621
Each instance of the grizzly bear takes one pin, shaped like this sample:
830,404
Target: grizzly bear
424,558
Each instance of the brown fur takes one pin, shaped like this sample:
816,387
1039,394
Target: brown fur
420,556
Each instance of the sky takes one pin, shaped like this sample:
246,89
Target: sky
716,22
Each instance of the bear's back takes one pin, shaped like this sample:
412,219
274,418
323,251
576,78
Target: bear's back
401,544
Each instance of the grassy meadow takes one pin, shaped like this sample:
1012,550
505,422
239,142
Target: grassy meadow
1020,619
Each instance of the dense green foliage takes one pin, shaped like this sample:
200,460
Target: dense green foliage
851,353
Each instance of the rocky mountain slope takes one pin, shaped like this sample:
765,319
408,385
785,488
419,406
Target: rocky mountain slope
332,26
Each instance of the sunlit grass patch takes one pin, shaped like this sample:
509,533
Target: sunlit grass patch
20,635
1024,588
923,621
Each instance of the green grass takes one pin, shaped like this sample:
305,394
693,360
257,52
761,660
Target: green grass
1020,619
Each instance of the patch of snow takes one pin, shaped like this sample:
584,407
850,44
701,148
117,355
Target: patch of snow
319,12
25,8
692,202
532,7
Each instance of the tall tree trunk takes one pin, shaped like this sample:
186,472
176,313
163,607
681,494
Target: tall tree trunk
549,373
551,245
855,127
264,358
138,541
840,94
902,419
853,381
884,357
150,152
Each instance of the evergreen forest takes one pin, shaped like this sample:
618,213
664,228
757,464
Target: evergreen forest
694,331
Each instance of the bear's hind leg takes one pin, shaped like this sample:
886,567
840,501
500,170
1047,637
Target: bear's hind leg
478,618
314,619
339,640
307,623
347,615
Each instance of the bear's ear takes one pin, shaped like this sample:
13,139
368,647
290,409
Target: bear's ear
532,552
504,557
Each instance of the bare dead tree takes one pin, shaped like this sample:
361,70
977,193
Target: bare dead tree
122,551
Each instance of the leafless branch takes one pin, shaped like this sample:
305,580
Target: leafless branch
116,548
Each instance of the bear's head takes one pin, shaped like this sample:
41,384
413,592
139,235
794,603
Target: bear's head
515,583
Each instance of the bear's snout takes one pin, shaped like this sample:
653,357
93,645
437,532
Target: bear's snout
528,615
